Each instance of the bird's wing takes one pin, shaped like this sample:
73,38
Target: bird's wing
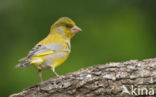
41,50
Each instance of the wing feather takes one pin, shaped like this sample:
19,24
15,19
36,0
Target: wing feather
41,50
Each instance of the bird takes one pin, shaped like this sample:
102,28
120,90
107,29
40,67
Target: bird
54,49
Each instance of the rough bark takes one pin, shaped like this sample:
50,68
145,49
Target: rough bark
108,80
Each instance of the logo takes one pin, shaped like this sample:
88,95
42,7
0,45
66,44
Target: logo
131,90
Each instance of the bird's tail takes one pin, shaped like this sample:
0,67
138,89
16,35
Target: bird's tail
23,64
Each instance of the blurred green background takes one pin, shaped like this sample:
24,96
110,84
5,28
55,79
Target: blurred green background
113,30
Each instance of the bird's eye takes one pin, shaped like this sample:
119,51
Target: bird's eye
68,26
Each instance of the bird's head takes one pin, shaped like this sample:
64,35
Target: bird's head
66,27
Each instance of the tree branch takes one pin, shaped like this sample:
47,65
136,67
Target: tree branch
118,79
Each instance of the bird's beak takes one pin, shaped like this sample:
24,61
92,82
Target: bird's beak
75,29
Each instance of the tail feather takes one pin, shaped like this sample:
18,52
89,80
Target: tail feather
23,64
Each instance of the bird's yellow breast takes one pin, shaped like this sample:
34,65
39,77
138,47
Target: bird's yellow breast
59,60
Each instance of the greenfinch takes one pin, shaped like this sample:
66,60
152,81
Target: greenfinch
53,50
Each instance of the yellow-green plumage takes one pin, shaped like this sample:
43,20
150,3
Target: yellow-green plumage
54,49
